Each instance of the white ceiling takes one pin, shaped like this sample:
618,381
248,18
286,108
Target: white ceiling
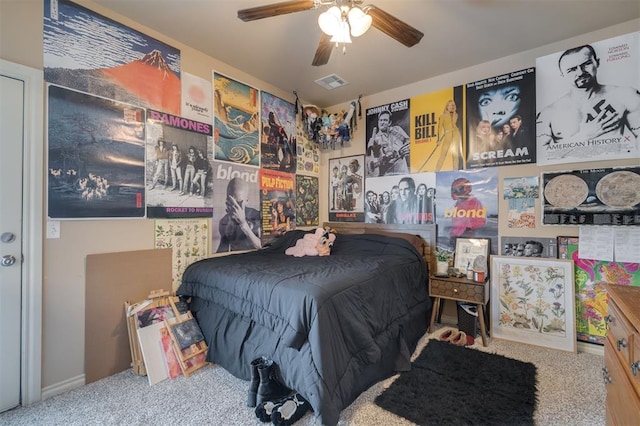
458,34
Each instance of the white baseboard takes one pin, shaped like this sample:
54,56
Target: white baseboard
64,386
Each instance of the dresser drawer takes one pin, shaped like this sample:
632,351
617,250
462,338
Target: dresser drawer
620,332
622,400
460,291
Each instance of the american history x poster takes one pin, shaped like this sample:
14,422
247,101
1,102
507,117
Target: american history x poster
278,143
467,206
406,199
605,196
588,102
501,120
437,131
388,146
278,203
307,204
346,186
91,53
95,157
178,172
236,121
237,221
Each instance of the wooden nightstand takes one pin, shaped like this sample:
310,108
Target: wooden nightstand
461,290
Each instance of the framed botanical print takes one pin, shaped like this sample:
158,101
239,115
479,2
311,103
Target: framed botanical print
532,301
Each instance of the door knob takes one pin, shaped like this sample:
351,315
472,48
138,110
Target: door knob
7,260
7,237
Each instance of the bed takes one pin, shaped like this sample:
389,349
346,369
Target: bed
335,325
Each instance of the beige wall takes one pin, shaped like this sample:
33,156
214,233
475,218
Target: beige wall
64,274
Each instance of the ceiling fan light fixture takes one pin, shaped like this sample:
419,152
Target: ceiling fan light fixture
329,21
359,21
342,35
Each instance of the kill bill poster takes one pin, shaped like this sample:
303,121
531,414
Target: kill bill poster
307,205
236,121
278,203
437,131
607,196
501,120
91,53
178,174
588,102
346,183
278,145
388,146
95,157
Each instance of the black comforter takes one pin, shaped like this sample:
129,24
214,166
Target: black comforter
335,325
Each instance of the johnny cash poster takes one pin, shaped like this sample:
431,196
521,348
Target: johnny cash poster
388,143
501,120
588,102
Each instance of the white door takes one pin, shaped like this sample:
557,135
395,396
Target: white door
11,141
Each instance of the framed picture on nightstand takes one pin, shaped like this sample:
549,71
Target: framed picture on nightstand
473,252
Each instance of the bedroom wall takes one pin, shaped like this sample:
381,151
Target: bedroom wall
64,258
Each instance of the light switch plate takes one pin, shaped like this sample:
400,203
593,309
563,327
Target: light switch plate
53,229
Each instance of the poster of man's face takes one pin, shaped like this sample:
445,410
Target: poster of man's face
388,142
500,120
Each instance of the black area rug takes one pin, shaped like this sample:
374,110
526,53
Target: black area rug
454,385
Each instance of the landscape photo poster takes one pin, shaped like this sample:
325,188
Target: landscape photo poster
278,143
197,98
346,186
587,102
278,203
604,196
86,51
307,201
178,166
437,131
236,122
388,144
501,113
591,296
95,151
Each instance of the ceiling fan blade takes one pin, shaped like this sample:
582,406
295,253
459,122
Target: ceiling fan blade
325,46
275,9
393,27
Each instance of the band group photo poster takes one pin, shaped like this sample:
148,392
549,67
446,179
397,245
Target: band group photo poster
346,186
95,157
178,173
437,131
588,102
278,144
501,120
388,145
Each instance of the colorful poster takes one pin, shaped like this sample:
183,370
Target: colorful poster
607,196
588,102
591,297
188,239
307,204
236,121
308,161
95,157
437,131
467,206
197,98
178,176
278,203
521,194
91,53
346,183
400,199
278,146
500,123
237,221
388,145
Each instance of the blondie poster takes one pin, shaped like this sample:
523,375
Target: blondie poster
178,172
278,144
606,196
277,202
91,53
236,121
501,120
95,157
346,183
467,206
588,102
388,146
437,131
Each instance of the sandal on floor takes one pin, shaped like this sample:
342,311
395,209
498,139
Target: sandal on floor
446,335
459,339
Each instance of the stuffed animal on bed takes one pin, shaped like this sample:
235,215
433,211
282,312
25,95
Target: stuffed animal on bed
317,244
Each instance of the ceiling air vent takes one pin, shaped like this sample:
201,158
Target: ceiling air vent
331,82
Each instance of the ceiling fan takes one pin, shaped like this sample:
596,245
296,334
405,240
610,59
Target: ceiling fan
342,19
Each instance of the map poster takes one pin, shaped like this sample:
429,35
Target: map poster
607,196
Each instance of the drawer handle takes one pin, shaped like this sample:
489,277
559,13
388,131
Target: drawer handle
607,380
455,291
622,343
635,367
608,319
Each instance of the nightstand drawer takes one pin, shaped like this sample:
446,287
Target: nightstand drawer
620,332
460,291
